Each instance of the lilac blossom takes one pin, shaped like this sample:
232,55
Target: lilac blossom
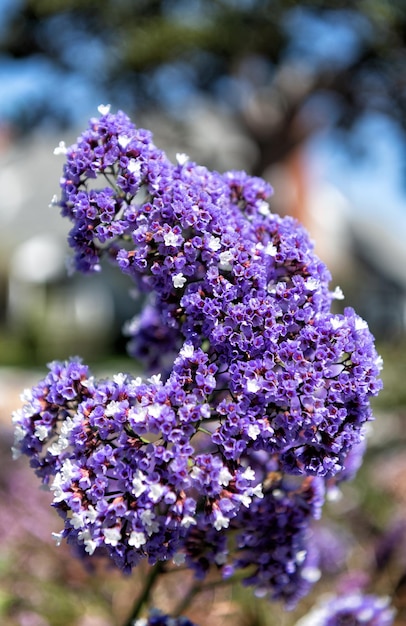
258,396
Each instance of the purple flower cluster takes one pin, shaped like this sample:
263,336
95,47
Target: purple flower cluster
271,541
280,568
353,609
262,393
126,476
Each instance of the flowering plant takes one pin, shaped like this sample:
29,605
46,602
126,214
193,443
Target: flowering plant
256,395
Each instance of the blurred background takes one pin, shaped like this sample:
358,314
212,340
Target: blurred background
309,95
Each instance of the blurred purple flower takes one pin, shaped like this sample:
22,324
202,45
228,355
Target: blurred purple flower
353,609
156,618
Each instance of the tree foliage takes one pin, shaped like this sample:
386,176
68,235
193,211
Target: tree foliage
267,60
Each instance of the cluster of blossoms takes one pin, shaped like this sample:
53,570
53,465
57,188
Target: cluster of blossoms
257,394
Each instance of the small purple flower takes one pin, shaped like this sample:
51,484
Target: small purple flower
333,544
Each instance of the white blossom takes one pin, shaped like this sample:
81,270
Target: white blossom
248,473
263,208
148,519
312,284
187,350
214,243
224,476
137,539
270,249
311,574
58,538
77,520
225,259
90,544
120,378
155,492
187,521
221,521
54,200
123,141
336,322
337,294
104,109
134,166
178,280
253,385
60,149
138,483
253,431
112,536
171,238
112,408
360,324
182,158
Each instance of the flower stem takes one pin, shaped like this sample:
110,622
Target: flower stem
198,587
145,594
187,600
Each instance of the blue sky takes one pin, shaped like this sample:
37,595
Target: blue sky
372,175
26,83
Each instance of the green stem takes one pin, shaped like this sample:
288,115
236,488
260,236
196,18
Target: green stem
187,600
198,587
204,430
145,594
